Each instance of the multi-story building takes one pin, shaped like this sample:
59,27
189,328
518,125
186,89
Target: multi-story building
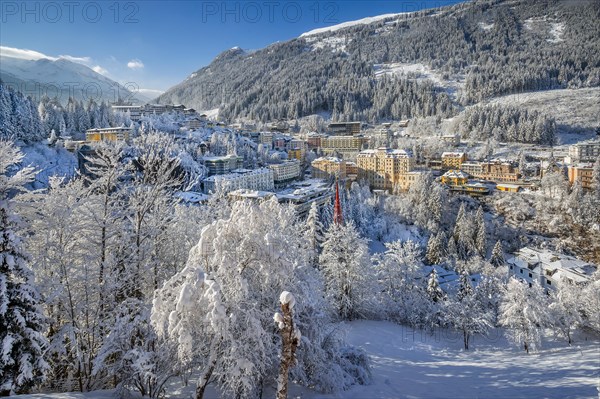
472,168
453,160
582,173
134,111
344,128
493,170
405,180
257,179
548,268
266,138
222,165
383,168
352,170
296,153
314,140
587,151
327,167
286,171
347,147
193,123
108,134
302,195
455,178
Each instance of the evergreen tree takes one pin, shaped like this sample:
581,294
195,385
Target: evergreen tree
347,271
480,232
434,291
22,324
497,257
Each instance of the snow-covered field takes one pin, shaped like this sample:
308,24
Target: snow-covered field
415,364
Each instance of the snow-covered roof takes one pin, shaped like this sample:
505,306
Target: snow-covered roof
556,264
456,174
453,154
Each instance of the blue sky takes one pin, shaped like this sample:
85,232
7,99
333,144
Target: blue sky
158,44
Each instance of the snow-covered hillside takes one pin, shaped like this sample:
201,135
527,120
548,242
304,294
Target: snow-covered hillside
343,25
63,78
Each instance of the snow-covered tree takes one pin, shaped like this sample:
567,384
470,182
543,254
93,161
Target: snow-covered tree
347,271
466,313
436,248
218,311
434,291
524,313
497,257
22,323
314,231
566,308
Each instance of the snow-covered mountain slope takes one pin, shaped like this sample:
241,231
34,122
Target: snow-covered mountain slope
62,78
407,65
363,21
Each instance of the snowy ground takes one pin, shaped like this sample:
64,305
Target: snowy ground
414,364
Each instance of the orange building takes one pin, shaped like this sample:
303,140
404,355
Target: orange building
583,173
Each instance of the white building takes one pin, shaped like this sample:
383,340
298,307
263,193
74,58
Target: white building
285,171
257,179
548,268
135,111
587,151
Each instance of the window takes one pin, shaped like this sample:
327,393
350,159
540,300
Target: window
530,275
521,271
548,282
511,267
530,285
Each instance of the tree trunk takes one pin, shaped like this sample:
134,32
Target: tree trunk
466,339
288,350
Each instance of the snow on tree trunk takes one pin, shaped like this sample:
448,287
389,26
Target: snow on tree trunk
290,339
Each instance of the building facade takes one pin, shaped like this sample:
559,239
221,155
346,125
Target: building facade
453,160
108,134
222,165
384,168
587,151
344,128
548,268
347,147
257,179
582,173
328,167
285,171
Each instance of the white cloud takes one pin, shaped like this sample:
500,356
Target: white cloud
135,64
79,60
100,70
23,54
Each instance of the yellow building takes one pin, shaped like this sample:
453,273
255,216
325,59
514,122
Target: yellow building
347,146
453,160
384,168
511,188
296,153
326,167
108,134
455,178
583,173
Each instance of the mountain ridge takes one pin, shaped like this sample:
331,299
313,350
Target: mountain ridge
493,48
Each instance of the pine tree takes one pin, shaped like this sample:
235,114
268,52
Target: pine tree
22,323
497,258
434,291
436,248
